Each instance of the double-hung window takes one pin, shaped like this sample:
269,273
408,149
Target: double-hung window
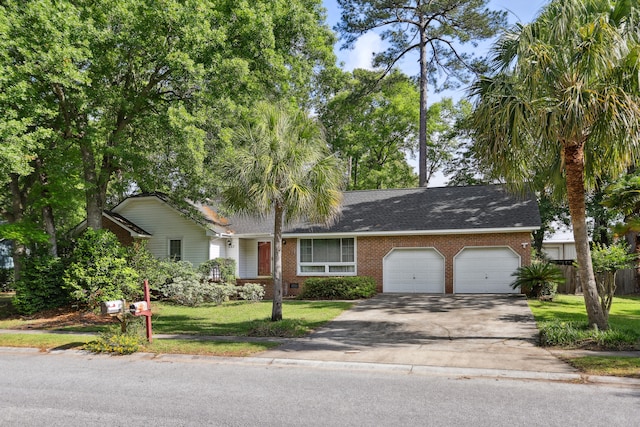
327,256
175,250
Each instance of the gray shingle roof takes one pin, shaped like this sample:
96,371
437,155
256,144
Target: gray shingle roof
417,210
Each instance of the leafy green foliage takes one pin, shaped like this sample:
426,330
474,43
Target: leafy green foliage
98,270
611,258
221,292
538,280
580,335
253,292
338,288
371,124
40,287
606,262
115,342
226,267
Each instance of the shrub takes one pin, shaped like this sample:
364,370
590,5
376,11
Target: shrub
98,270
538,280
221,292
184,285
40,285
606,263
156,271
6,279
580,335
339,288
253,292
115,342
226,266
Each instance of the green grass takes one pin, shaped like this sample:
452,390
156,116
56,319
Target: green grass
243,319
45,341
236,318
607,365
625,311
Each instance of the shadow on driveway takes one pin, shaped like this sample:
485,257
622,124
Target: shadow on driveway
477,331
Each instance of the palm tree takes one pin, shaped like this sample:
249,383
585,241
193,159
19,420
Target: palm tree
564,93
282,166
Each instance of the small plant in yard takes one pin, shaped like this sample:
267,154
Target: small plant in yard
253,292
286,328
114,341
538,280
221,292
606,263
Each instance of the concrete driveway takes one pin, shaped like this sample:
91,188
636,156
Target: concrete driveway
464,331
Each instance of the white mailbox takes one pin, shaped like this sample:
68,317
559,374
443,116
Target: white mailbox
138,307
112,307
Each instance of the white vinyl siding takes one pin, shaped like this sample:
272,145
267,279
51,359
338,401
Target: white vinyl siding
165,224
327,257
248,258
413,270
485,270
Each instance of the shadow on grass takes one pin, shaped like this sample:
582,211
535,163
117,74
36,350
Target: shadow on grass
70,346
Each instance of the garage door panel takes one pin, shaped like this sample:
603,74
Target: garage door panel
419,270
485,270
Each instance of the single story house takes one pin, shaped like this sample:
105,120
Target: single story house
418,240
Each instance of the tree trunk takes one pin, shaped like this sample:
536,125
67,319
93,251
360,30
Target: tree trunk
422,138
574,166
17,212
94,203
276,312
47,210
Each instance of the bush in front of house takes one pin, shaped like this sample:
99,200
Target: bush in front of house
226,266
253,292
221,292
98,270
538,280
39,286
348,288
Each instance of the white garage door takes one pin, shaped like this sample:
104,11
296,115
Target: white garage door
484,270
414,270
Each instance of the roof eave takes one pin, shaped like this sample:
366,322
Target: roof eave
502,230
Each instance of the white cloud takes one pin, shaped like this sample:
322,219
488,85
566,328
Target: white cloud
362,53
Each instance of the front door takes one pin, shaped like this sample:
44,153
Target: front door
264,258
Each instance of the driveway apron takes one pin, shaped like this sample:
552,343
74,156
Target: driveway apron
465,331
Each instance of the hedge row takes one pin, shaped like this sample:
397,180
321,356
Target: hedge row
339,288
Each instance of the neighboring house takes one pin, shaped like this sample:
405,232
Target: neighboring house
560,246
419,240
6,258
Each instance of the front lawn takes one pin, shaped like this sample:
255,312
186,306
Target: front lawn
563,323
235,318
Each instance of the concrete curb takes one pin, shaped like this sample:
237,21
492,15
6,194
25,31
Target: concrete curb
452,372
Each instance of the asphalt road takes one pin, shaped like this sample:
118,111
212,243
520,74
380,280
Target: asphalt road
72,389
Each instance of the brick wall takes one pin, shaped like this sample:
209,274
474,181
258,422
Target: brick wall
371,251
123,235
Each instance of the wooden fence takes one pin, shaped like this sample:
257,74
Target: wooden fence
625,281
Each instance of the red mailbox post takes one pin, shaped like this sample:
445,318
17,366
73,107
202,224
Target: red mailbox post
143,308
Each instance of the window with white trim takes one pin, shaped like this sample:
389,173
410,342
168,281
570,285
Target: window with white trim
175,250
327,256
